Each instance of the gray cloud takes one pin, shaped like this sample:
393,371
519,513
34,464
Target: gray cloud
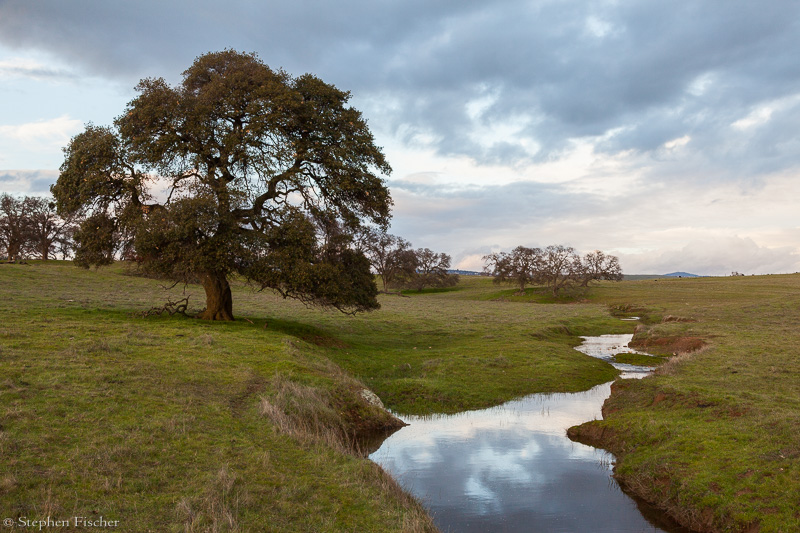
35,182
566,69
36,73
505,83
526,213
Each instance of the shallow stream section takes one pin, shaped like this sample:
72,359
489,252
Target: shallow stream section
512,468
607,346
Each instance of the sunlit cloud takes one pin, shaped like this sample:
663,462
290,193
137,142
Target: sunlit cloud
53,133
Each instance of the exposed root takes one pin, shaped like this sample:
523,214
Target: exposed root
171,308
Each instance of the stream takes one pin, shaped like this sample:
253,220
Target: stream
512,468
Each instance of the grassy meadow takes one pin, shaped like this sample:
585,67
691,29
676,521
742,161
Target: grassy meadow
167,423
715,436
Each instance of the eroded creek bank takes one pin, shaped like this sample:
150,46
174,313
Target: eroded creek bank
513,468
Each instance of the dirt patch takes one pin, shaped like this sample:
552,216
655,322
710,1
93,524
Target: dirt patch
596,435
753,528
670,345
660,397
254,385
630,310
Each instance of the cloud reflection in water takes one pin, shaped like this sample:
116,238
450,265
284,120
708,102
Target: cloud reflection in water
512,468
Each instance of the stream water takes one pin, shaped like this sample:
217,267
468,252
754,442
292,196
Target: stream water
512,468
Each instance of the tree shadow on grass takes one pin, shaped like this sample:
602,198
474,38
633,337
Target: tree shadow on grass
304,332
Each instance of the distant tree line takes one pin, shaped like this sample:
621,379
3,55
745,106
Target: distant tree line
400,266
31,228
555,267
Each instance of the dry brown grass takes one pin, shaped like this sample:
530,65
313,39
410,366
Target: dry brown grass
217,510
672,365
305,413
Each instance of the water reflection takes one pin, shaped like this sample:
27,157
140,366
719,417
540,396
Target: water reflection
607,346
512,468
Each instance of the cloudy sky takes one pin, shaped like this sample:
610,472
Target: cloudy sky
667,133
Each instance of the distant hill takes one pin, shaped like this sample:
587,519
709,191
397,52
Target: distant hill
681,275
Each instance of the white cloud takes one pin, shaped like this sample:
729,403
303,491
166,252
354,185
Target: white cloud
717,256
677,143
764,112
46,133
24,145
701,84
757,117
598,27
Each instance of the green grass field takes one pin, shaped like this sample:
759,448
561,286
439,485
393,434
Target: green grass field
715,435
167,423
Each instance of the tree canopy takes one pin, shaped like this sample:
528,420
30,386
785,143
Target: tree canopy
239,169
398,265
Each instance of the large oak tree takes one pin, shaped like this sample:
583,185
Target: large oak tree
257,167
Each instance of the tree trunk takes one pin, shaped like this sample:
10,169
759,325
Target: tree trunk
556,286
13,249
219,303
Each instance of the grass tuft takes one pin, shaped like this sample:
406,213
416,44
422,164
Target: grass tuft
305,413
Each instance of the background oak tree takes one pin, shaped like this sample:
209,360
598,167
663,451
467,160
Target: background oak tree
560,267
31,228
555,267
239,169
596,266
391,256
431,270
521,266
14,226
48,233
